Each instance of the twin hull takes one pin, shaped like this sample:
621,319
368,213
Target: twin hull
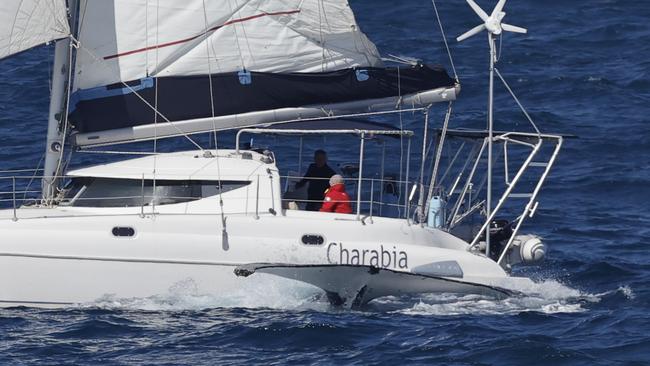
62,260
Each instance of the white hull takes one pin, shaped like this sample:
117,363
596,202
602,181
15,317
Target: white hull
75,259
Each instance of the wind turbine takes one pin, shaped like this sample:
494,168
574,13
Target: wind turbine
493,25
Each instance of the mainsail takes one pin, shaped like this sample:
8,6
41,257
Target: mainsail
28,23
206,65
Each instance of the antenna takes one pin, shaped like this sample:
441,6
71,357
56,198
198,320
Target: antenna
494,27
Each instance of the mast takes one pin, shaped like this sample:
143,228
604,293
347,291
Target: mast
57,116
54,143
488,200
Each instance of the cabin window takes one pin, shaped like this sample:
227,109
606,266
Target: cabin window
123,231
115,192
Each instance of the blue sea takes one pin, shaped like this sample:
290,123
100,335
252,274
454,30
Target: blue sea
583,69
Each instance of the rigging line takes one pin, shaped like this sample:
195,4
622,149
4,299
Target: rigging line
207,48
31,180
401,128
135,92
12,171
320,34
517,100
444,38
234,28
436,166
155,115
214,128
243,27
326,53
146,37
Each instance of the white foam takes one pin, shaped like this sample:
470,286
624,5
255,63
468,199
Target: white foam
266,292
547,297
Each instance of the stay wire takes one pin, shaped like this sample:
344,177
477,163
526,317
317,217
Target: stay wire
155,120
517,101
444,38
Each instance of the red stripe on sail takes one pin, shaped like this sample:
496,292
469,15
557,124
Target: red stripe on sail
234,21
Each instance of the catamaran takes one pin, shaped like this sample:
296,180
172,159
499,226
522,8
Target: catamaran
127,72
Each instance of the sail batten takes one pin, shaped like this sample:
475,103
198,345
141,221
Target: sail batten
29,23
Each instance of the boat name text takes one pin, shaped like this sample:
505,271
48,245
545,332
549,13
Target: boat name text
380,258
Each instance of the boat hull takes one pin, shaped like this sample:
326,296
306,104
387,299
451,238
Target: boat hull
60,259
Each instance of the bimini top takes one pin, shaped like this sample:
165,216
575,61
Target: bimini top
183,165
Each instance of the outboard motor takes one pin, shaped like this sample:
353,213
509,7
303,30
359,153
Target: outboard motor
526,249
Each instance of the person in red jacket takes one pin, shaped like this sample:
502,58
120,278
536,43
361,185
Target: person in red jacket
336,199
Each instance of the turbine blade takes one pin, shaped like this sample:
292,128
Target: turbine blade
477,9
499,8
471,32
513,28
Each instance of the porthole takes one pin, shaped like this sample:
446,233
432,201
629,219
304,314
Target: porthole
313,239
123,231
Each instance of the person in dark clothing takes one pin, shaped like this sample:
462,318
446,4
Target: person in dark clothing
318,175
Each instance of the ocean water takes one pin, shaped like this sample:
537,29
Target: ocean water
583,69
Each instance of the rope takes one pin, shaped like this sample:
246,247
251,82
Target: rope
234,28
224,231
444,38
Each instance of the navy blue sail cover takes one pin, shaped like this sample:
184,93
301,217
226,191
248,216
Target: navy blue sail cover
188,97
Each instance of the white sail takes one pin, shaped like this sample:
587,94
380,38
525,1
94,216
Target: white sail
157,68
124,40
28,23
